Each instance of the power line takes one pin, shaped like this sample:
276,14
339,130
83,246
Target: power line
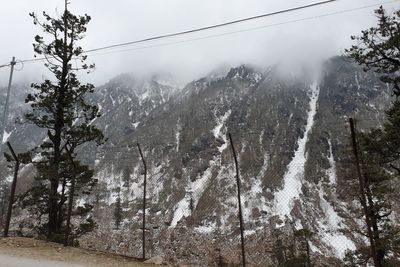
200,29
250,29
218,26
5,65
213,26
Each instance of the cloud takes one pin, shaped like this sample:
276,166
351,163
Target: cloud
191,56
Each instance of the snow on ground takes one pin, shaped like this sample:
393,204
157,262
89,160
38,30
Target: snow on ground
330,229
6,135
114,181
145,95
314,248
254,197
332,163
155,183
112,100
260,139
332,223
357,82
194,190
217,130
178,134
230,207
294,175
206,229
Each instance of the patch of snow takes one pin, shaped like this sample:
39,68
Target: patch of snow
257,77
155,182
206,229
143,96
249,232
230,208
194,190
37,158
314,248
339,242
357,82
254,197
217,130
333,222
6,135
261,137
332,163
81,202
292,180
112,100
178,134
220,123
9,178
290,118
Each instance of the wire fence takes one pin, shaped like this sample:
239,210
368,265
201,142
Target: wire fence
196,220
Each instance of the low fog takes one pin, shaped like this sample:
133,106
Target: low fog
294,40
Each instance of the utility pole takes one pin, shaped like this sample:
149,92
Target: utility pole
239,202
12,194
5,113
363,199
144,204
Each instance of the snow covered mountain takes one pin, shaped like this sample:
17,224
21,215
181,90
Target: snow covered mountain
291,138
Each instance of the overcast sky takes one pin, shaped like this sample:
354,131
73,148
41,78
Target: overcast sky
292,44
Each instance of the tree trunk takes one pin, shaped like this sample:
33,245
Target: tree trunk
60,206
56,138
380,251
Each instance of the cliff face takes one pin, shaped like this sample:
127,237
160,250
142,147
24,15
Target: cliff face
292,143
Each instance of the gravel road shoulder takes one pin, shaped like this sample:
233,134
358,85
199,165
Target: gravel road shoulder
25,249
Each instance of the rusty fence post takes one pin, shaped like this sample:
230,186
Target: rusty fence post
144,204
12,194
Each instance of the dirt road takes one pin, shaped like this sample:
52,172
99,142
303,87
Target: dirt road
18,261
22,252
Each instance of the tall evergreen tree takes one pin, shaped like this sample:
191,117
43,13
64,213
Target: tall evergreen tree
60,106
378,49
118,211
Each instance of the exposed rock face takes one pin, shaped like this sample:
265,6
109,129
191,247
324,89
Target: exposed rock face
291,139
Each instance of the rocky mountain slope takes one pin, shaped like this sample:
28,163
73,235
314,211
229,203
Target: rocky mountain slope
291,137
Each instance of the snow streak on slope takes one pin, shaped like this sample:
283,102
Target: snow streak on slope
357,82
254,198
178,134
332,169
217,130
292,180
194,190
6,136
332,223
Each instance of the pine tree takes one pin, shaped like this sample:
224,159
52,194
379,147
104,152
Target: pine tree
118,211
60,107
126,177
378,49
292,250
